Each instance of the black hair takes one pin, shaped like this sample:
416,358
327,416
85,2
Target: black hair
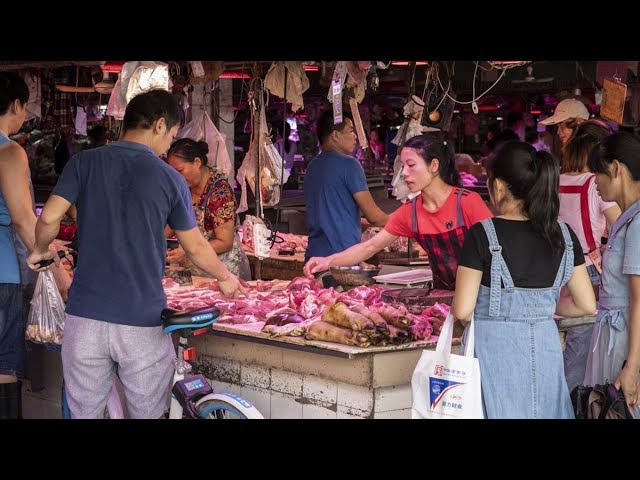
188,149
531,135
534,178
98,134
146,108
326,125
621,146
432,145
12,88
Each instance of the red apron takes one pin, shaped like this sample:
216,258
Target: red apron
442,248
583,190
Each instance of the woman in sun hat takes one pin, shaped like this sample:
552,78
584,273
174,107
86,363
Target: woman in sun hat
568,115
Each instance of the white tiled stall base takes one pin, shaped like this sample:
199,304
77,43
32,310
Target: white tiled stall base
286,383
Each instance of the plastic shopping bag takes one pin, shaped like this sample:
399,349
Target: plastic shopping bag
446,385
46,315
202,128
272,173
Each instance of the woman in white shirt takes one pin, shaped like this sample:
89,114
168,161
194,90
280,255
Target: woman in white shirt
582,208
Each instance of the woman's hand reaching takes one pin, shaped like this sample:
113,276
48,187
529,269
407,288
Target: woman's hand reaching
316,265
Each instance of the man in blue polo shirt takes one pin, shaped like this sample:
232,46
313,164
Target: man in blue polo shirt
335,191
125,196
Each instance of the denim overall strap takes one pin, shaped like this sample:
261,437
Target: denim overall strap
566,265
499,269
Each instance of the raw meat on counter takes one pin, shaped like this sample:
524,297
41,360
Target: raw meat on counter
284,318
328,332
376,318
293,308
290,330
339,314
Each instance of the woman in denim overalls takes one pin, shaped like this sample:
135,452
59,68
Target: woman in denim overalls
616,334
517,341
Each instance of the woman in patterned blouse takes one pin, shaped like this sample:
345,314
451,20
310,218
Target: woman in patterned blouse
214,206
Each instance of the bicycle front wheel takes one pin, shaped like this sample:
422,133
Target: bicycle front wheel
226,406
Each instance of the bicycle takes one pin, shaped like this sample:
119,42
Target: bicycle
191,395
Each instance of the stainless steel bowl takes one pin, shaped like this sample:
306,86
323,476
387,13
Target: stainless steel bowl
354,276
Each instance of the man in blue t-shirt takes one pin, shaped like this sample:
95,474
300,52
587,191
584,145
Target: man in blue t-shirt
335,191
125,196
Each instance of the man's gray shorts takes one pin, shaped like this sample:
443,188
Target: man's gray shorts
94,351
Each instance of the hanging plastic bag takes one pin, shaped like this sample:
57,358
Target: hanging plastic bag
246,174
148,76
117,106
446,385
202,128
46,316
269,185
272,175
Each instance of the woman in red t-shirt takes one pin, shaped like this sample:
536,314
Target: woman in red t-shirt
437,219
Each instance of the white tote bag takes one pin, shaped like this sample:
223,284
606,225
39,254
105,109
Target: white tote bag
446,385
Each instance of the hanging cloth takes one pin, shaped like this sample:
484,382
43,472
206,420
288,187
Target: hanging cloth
297,82
81,120
34,104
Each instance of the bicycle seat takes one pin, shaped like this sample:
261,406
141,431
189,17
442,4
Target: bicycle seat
173,320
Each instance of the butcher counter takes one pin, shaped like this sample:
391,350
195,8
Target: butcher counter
285,377
290,377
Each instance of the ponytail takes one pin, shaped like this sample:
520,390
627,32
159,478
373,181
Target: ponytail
542,200
534,178
448,170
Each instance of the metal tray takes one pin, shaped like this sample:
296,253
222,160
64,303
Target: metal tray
409,277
